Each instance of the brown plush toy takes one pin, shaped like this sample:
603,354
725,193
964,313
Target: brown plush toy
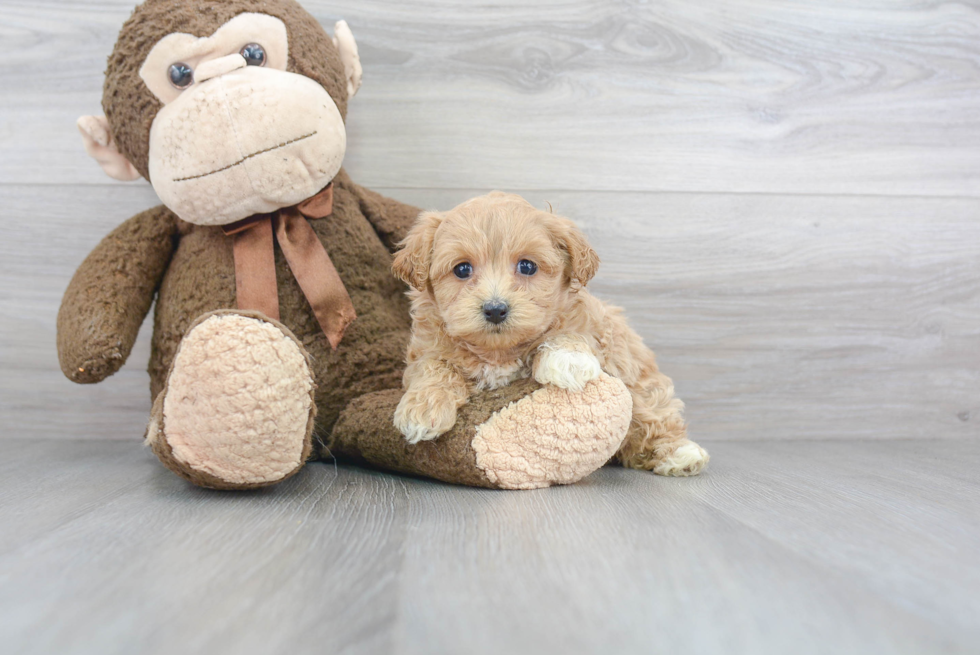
280,332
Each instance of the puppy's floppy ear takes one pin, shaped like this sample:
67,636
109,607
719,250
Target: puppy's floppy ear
411,264
583,262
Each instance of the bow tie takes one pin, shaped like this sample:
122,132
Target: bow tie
255,264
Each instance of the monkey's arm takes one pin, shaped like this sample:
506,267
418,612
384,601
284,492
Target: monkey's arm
391,219
110,294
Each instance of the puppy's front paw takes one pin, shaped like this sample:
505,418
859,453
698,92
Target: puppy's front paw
566,369
424,417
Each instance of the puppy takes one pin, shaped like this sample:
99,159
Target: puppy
498,293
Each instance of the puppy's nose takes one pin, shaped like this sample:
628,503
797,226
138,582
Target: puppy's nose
495,311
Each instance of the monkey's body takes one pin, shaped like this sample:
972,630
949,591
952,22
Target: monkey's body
201,279
242,400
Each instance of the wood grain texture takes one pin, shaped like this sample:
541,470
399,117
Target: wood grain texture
757,96
778,317
804,547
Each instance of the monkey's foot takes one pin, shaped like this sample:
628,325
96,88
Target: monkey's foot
522,436
554,436
237,409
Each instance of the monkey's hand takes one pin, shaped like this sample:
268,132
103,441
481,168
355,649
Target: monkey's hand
566,362
110,294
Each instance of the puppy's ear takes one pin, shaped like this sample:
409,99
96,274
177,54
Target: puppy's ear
411,264
583,262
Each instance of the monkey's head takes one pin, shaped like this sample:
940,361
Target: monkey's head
229,108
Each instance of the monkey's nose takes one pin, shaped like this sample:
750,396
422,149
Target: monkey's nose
217,67
495,311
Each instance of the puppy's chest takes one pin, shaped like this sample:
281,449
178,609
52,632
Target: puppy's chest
494,376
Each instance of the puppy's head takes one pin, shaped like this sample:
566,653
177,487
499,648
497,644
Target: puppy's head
497,269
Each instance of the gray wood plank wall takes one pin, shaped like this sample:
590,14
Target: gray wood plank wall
784,194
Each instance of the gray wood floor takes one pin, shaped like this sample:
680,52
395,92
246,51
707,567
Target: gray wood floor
781,547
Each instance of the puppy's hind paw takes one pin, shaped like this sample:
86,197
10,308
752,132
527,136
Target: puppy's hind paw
688,459
566,369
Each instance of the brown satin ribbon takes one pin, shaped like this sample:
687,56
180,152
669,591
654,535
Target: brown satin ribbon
255,268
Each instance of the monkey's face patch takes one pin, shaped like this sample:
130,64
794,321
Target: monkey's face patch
238,134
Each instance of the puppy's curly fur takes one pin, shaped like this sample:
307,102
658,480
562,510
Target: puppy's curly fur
498,293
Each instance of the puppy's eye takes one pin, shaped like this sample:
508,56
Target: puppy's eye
527,267
463,270
180,75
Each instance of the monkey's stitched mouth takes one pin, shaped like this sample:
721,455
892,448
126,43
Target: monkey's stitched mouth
246,157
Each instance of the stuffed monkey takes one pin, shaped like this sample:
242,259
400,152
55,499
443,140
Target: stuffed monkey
279,332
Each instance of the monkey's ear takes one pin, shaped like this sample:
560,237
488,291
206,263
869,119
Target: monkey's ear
99,145
411,264
583,262
344,40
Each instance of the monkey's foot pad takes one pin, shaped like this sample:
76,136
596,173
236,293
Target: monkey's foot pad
237,410
554,436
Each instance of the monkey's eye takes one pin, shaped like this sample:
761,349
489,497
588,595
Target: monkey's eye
254,54
180,75
527,267
463,270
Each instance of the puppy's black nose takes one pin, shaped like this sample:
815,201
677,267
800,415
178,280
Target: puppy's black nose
495,311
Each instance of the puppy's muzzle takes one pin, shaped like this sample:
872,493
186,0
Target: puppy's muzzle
495,311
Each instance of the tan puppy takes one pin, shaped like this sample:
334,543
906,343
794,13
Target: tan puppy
499,294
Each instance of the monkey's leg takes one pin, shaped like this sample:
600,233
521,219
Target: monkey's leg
657,439
237,408
523,436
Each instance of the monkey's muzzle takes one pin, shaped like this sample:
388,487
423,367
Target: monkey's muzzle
247,142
